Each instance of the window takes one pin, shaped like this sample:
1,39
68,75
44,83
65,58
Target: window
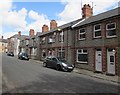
43,40
61,53
61,37
97,31
82,34
111,30
82,56
27,42
51,39
43,53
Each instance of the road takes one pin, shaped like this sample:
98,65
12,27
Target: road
21,76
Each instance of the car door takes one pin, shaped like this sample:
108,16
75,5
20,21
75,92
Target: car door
48,61
54,62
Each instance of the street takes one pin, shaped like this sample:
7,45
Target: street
20,76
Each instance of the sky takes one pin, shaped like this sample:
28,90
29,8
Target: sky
23,15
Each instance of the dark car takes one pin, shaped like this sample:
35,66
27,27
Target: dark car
23,56
10,54
58,63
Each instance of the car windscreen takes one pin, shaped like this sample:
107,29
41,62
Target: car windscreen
61,59
25,54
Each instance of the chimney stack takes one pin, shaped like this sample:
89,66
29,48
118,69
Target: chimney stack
53,24
87,11
2,37
45,28
31,32
19,33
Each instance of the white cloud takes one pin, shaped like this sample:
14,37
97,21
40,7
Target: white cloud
39,21
15,19
73,11
9,34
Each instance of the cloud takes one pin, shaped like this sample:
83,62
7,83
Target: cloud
8,34
39,21
15,18
73,11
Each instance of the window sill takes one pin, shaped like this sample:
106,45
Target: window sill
97,37
82,39
111,37
82,62
51,42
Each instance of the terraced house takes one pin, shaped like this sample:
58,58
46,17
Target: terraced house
91,42
3,45
28,44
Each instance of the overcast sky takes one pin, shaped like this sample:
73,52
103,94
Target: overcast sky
17,15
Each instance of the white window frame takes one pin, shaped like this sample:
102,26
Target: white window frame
61,36
97,31
81,53
82,34
51,39
43,40
110,29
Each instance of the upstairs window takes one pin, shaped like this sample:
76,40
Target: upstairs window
82,34
97,31
51,39
61,37
43,40
111,30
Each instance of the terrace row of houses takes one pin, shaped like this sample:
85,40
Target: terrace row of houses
3,45
91,42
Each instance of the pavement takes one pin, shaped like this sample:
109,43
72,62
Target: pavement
111,78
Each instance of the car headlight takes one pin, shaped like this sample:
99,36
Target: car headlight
65,65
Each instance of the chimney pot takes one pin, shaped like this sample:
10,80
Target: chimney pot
86,11
19,33
45,28
31,32
2,37
53,24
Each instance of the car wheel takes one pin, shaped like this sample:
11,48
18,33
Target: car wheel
44,64
58,67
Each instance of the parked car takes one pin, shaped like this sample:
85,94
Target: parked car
10,54
57,63
23,56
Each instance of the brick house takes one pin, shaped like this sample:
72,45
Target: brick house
14,42
32,44
56,41
92,42
97,44
28,44
24,42
3,45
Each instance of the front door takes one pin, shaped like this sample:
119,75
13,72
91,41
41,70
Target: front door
111,61
98,60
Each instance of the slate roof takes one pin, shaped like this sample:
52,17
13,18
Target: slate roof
91,19
61,27
3,40
105,15
20,37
